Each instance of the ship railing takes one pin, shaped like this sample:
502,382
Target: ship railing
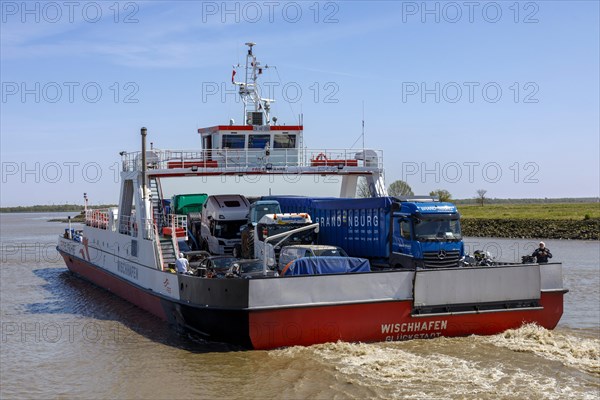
201,160
342,158
97,218
128,226
176,226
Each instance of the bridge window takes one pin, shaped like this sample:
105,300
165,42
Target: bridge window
284,141
234,141
258,141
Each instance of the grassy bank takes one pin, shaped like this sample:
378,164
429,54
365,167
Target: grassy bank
550,221
572,211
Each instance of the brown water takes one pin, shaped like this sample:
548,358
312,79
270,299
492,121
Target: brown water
62,337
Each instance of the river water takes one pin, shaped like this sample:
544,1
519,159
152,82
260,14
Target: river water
62,337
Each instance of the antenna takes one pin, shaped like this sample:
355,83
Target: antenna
363,129
362,134
256,109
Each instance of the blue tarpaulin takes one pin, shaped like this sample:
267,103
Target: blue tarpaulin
326,265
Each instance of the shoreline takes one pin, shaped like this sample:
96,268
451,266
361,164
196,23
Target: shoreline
588,230
51,208
510,228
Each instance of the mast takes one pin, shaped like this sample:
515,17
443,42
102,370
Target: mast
256,109
363,127
144,132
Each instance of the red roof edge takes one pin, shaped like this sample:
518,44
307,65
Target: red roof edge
249,128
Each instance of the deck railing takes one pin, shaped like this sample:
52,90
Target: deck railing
98,218
177,222
128,226
241,159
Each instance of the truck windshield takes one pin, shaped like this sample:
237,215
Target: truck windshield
264,209
437,229
228,229
304,237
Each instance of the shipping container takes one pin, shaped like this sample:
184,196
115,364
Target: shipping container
359,226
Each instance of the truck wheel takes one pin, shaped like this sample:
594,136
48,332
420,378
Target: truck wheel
249,247
237,251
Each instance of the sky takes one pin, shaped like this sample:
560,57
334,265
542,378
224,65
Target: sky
461,96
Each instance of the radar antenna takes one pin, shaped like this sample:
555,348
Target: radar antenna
256,109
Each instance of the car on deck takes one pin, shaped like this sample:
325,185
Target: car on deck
248,269
215,266
293,252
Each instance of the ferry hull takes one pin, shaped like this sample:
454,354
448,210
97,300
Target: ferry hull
268,328
388,321
122,288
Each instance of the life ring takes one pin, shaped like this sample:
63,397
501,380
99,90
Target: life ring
321,157
283,271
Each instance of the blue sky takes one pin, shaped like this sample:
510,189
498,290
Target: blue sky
501,96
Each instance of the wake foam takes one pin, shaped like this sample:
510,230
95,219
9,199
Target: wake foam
420,369
576,352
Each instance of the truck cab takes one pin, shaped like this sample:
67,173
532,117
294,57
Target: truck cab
426,235
257,210
222,218
260,208
276,224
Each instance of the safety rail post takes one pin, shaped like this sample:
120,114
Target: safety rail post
174,236
148,233
177,222
157,249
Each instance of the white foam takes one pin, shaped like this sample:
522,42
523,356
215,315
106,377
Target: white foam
577,352
419,369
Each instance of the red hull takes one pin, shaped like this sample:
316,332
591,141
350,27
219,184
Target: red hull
387,321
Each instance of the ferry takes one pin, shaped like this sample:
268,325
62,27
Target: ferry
130,250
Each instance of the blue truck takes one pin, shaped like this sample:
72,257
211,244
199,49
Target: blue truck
418,232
